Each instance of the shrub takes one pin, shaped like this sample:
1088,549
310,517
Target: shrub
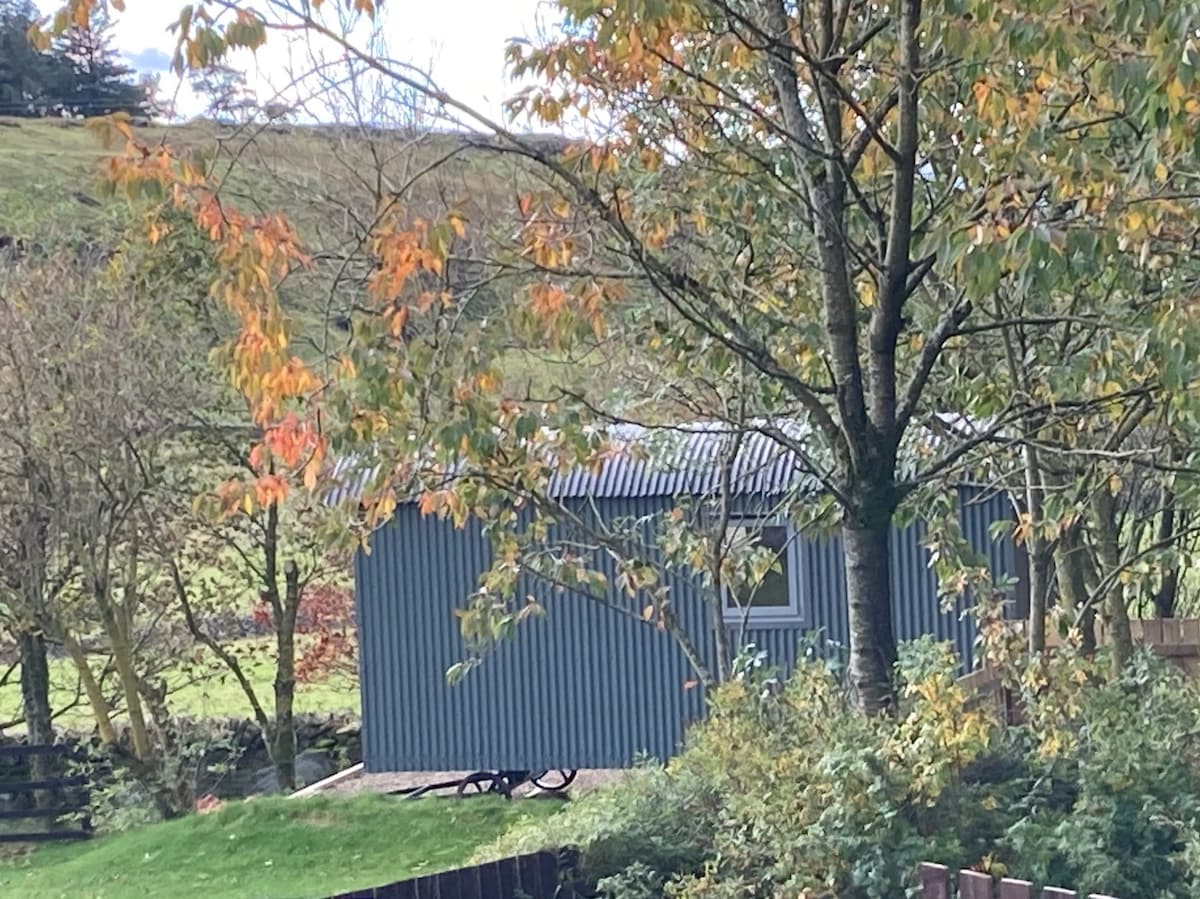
786,790
1116,806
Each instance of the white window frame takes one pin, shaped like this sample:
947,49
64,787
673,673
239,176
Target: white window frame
771,616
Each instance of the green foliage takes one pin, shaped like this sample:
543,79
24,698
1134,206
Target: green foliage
1116,806
787,788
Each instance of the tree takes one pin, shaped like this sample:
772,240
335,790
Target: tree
102,370
274,561
225,92
819,196
100,84
31,81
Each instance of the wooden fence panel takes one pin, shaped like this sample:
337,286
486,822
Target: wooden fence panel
62,797
936,883
974,885
539,875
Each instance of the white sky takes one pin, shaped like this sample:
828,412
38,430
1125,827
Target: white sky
461,41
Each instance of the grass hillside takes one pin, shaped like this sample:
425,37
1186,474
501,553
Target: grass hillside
323,178
54,167
271,849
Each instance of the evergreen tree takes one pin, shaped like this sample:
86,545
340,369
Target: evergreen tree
30,81
101,84
80,74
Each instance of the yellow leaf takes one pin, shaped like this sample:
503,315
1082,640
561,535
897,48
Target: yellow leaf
648,612
38,38
1044,81
866,292
1175,94
981,90
1160,172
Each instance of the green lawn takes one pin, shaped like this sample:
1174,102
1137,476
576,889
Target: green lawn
271,849
199,688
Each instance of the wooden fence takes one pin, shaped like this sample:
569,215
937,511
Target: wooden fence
540,875
937,883
61,796
1176,639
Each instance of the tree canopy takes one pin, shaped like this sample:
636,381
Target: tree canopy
947,240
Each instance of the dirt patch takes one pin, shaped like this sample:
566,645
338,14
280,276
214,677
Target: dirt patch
320,820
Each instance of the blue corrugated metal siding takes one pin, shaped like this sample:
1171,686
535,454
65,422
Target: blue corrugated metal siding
584,686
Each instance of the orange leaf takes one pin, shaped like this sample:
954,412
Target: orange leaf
399,320
81,14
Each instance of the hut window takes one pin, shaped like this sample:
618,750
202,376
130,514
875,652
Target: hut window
775,597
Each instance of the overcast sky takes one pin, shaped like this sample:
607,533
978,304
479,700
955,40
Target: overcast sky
461,41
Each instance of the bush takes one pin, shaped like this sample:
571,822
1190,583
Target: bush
1116,805
786,790
655,822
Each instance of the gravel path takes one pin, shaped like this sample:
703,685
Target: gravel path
389,781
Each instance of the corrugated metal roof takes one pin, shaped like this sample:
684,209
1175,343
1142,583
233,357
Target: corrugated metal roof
688,460
680,460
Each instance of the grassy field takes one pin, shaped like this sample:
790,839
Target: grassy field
199,689
271,849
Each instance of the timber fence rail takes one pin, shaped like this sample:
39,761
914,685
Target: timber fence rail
39,794
939,882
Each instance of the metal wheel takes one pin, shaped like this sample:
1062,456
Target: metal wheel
554,780
482,782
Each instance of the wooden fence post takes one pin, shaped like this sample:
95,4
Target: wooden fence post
935,881
974,885
1015,889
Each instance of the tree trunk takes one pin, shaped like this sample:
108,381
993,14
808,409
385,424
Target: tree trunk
122,653
1166,596
868,593
96,699
1072,585
35,687
1039,557
1108,548
283,751
35,703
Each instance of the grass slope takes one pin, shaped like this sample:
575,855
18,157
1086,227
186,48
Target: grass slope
272,849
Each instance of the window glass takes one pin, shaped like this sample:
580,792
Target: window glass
773,591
